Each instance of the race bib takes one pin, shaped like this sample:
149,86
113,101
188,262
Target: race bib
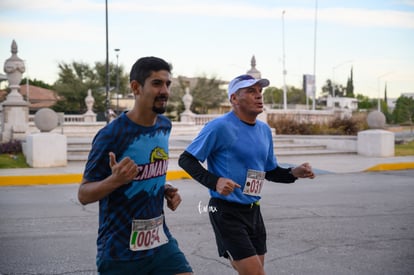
254,182
147,234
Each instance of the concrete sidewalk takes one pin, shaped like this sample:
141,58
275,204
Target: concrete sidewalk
322,164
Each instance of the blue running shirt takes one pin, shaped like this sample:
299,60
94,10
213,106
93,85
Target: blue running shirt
143,198
231,148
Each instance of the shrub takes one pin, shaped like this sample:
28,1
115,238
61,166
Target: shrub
291,127
345,126
338,126
11,147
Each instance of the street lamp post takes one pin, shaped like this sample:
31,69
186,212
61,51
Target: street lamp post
27,83
314,54
284,63
117,81
107,64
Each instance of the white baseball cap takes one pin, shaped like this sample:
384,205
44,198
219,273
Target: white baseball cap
243,81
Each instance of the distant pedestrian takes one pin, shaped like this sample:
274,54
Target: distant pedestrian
126,172
239,153
111,115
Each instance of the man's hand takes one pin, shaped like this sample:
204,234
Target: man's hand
303,171
124,171
226,186
172,196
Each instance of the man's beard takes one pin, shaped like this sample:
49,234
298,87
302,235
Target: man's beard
159,110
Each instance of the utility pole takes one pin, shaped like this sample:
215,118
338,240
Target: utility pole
117,81
107,65
284,63
314,55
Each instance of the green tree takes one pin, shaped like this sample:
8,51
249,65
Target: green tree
384,107
328,88
295,96
273,96
336,90
76,78
175,103
332,89
340,91
37,83
100,69
404,110
72,85
207,95
350,85
365,103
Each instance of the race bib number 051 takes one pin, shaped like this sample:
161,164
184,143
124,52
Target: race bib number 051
147,234
254,182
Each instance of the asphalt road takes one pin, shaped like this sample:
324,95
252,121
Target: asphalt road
358,223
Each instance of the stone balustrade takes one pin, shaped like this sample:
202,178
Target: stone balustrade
66,119
78,125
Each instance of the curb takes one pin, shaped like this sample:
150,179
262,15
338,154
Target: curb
40,179
67,179
391,166
26,180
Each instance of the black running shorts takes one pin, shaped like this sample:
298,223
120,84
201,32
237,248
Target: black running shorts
239,229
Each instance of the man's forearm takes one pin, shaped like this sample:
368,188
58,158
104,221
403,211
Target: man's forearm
280,174
194,168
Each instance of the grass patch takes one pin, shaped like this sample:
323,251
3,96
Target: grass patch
406,149
13,161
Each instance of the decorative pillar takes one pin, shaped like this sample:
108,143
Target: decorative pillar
15,117
376,142
187,115
90,116
46,149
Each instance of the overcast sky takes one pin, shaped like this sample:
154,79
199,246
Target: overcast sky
219,37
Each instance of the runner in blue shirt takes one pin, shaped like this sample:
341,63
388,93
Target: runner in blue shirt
239,153
126,172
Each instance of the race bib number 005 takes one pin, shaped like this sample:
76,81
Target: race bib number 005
254,182
147,234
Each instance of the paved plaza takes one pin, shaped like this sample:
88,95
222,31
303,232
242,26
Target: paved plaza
338,223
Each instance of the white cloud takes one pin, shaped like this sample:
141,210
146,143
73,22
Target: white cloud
67,30
369,18
345,16
407,2
55,6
